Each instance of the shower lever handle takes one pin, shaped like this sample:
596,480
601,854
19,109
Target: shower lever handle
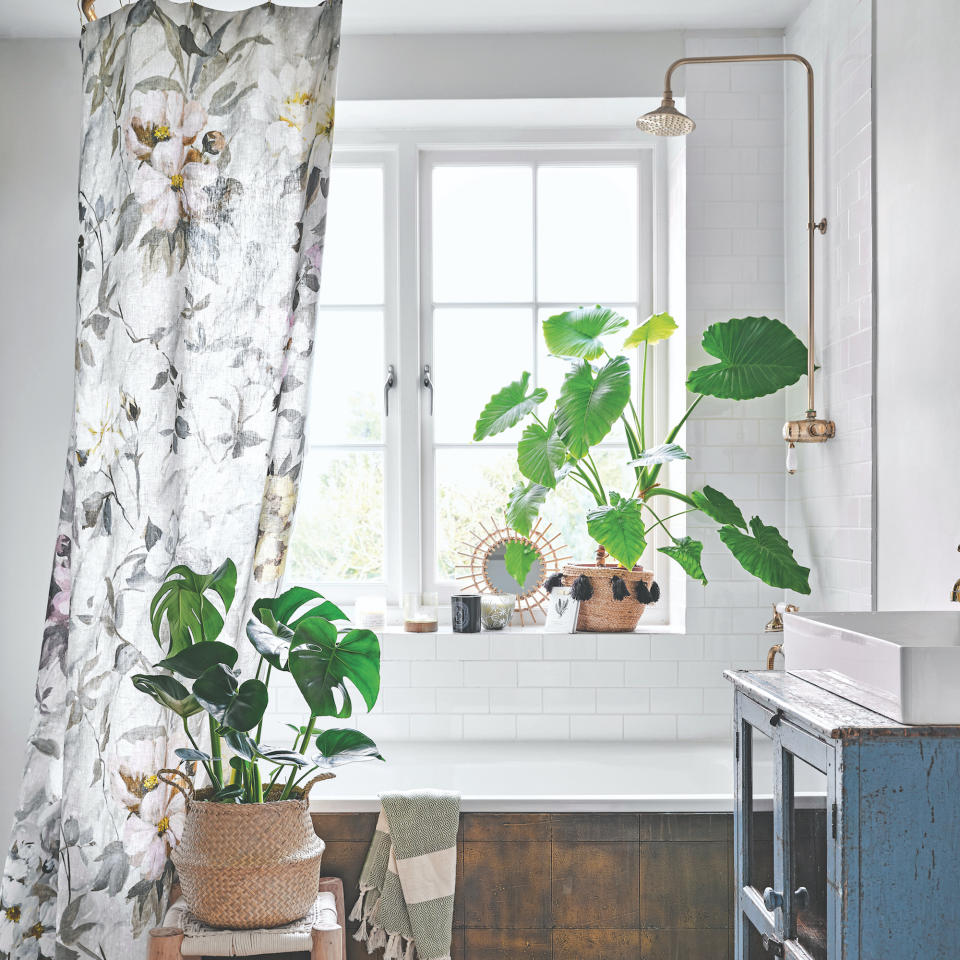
387,387
428,383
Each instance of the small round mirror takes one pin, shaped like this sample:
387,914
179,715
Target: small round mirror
514,566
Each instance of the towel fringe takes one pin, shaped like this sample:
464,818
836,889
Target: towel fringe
411,952
357,912
378,939
394,949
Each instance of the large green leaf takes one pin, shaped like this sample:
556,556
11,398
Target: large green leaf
294,600
580,332
339,746
169,692
591,402
718,507
272,642
619,528
767,555
757,356
686,551
541,453
321,663
524,505
190,614
654,329
195,660
239,706
518,557
662,454
508,407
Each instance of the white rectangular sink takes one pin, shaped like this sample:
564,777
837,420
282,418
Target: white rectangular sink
902,665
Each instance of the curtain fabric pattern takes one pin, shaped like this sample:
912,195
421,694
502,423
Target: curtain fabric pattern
203,184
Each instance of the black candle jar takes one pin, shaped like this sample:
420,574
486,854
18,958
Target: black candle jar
465,612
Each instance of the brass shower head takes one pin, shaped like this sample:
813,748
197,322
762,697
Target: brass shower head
666,121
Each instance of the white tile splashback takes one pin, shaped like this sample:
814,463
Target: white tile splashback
557,687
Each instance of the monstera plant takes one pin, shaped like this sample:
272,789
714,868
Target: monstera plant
754,356
294,633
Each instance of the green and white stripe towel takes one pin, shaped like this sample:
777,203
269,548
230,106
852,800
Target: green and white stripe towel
408,879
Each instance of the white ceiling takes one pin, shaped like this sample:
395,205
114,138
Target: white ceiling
59,18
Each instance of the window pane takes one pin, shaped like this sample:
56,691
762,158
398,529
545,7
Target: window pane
338,531
476,352
353,246
482,234
587,226
473,486
551,370
346,402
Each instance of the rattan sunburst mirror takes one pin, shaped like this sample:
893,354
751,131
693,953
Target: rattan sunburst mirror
485,569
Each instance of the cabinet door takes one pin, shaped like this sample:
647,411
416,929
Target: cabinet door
784,849
805,869
754,828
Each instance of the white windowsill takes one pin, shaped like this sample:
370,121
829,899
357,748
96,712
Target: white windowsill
395,629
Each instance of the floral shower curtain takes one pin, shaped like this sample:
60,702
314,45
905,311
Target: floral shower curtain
203,184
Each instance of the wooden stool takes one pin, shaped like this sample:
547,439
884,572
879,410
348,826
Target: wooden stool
327,937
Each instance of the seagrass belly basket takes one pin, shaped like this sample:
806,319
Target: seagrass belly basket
612,599
248,865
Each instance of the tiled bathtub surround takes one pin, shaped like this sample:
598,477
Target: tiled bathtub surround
529,685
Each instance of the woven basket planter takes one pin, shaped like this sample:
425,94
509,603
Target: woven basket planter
603,613
248,865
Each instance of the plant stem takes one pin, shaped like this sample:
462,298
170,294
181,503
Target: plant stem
206,765
596,474
266,683
672,435
216,753
662,522
643,398
589,483
667,492
303,745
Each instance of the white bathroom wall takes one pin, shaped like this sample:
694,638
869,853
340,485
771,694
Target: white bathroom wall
830,498
39,155
918,289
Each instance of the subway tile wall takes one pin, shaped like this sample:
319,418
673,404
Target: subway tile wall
829,500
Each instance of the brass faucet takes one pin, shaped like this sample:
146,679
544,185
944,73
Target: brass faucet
955,592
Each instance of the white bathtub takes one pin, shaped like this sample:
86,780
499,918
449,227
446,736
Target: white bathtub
550,777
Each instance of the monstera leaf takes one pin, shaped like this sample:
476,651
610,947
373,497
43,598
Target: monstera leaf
719,507
591,402
524,506
686,551
271,642
579,333
662,454
659,327
294,600
337,747
756,355
508,407
541,453
169,692
518,558
321,662
619,529
190,614
195,660
767,555
239,706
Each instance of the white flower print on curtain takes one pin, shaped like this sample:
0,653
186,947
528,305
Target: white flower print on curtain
203,185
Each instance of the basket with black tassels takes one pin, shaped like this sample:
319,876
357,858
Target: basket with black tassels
612,598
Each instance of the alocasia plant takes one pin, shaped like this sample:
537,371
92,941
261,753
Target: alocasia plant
755,356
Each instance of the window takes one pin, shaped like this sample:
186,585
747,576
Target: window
452,258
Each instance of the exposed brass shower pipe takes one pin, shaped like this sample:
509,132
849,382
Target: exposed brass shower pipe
86,8
667,120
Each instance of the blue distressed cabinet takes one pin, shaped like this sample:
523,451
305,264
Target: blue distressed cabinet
846,828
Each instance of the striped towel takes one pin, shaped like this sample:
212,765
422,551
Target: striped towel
407,884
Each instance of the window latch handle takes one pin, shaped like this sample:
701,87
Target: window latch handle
428,383
387,387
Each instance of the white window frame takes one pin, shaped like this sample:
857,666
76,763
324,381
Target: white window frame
404,154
